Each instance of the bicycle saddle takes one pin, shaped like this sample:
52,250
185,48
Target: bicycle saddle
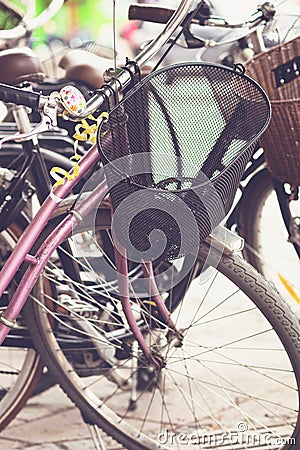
19,65
81,65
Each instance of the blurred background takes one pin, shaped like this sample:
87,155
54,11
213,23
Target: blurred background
81,21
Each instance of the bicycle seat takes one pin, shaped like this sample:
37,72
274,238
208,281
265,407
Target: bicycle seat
19,65
84,66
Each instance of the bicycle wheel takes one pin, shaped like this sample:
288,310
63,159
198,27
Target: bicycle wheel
20,365
233,377
267,245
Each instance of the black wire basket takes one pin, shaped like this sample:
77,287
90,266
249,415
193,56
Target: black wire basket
174,150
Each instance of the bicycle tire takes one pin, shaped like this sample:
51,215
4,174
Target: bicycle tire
267,245
115,413
20,367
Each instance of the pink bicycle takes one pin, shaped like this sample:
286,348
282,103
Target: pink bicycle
153,369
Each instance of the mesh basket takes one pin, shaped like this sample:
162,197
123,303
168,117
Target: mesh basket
277,71
11,14
174,151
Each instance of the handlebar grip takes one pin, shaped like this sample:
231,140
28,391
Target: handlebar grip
10,94
150,13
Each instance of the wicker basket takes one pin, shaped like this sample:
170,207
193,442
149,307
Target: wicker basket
278,72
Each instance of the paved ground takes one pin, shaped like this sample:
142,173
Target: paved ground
50,422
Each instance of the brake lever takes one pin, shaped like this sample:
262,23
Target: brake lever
193,41
48,121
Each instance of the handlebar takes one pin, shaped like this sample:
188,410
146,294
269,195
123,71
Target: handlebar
157,14
28,24
149,13
122,78
202,16
10,94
